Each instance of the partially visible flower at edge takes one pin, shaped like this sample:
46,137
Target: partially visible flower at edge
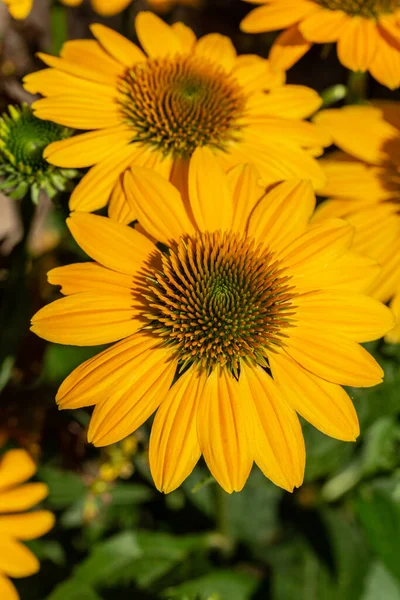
251,316
364,184
155,110
23,170
367,32
16,466
20,9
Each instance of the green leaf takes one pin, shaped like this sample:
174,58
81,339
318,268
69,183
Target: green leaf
324,454
141,557
65,487
73,590
130,493
379,512
59,361
217,585
380,584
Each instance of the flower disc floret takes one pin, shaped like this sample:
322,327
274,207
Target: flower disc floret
218,298
370,9
177,104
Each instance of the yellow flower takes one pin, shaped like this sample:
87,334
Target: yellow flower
106,8
364,183
154,111
367,32
247,316
19,9
16,560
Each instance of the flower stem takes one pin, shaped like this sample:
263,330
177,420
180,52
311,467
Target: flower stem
220,511
357,87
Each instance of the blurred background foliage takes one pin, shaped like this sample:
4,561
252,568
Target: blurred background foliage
336,538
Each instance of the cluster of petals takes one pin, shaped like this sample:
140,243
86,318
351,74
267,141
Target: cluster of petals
81,90
362,182
363,43
16,525
233,420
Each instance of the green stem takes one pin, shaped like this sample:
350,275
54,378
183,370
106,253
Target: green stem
58,28
357,87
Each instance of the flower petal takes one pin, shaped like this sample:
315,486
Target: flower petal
78,111
276,15
129,248
245,185
16,560
385,65
86,277
16,466
174,446
324,26
118,207
325,405
106,8
26,526
224,425
22,498
120,48
286,101
278,439
156,37
217,48
157,204
88,318
333,357
7,589
121,413
210,198
283,214
358,43
288,48
185,34
101,375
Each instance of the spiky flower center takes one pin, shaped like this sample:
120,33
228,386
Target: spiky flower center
370,9
218,298
23,137
180,103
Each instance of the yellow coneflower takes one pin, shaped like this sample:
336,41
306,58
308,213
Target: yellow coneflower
367,32
16,560
247,316
155,111
364,184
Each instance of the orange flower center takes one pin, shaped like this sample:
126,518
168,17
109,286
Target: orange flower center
179,103
218,298
370,9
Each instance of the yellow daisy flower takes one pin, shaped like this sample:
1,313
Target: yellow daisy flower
247,316
367,32
154,111
16,560
364,183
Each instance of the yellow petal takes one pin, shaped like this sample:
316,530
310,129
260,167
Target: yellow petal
78,111
118,46
19,9
156,37
325,405
385,65
185,34
174,446
333,357
210,198
85,277
107,8
88,318
90,54
22,498
87,149
80,70
358,43
349,272
355,316
286,101
128,250
118,207
217,48
26,526
224,426
16,560
120,414
288,48
321,245
111,370
246,189
276,16
351,179
54,82
393,337
7,589
16,466
255,74
278,440
157,204
324,26
283,214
